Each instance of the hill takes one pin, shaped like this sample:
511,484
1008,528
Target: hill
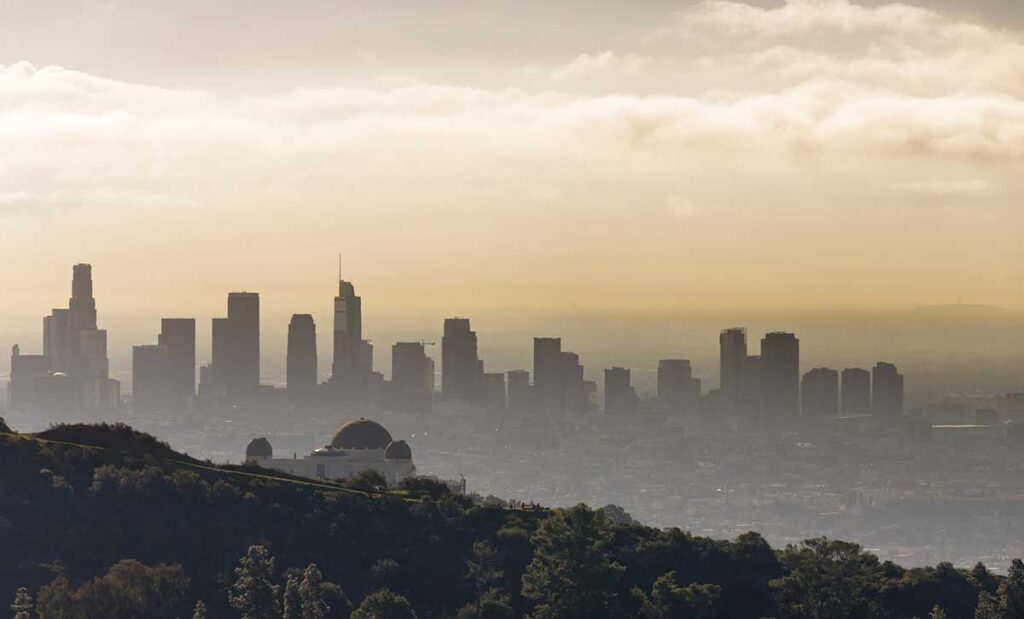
102,521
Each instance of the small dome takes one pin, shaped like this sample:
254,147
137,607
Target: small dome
398,450
259,448
361,434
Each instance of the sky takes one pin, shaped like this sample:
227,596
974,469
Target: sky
502,158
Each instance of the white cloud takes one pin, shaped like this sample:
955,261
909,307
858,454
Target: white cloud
589,65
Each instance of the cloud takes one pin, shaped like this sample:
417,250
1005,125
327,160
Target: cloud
945,187
589,65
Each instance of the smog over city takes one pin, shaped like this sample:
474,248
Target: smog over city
331,309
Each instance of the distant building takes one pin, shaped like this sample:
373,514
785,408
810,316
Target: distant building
520,396
25,369
301,369
856,391
574,395
348,338
243,363
495,388
548,365
178,337
619,395
886,390
360,445
462,376
678,390
732,346
412,378
820,393
780,375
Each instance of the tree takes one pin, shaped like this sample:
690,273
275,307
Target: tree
937,613
988,607
384,604
828,578
254,593
132,589
1011,592
200,610
670,600
311,591
54,600
292,601
573,574
22,605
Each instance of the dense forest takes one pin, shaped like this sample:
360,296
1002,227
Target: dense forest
101,521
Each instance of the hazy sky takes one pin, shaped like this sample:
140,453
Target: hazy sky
489,157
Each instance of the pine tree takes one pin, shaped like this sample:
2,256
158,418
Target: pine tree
292,601
22,605
1011,592
311,590
254,593
384,604
200,611
937,613
988,607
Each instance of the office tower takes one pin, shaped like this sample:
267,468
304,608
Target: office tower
678,390
619,395
412,378
856,391
547,374
242,374
495,390
58,393
178,336
25,369
409,367
461,369
886,390
301,368
348,338
151,373
574,395
780,375
732,351
820,393
519,394
220,345
78,350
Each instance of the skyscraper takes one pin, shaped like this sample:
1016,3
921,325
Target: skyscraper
243,372
820,393
619,395
178,336
412,378
574,395
519,395
348,337
732,351
461,370
780,375
678,390
25,369
547,374
856,391
886,390
301,370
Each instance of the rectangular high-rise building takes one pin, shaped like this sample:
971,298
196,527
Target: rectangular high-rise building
820,393
732,357
520,396
548,367
25,369
412,378
243,371
780,375
495,389
886,390
856,391
461,369
619,395
178,336
678,390
301,361
574,395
